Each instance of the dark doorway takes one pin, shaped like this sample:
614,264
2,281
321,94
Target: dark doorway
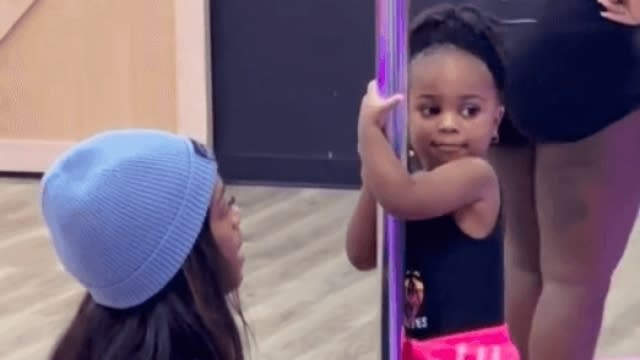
288,77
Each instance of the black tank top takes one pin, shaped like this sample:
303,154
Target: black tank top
453,283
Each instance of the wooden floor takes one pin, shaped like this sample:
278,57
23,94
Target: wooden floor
301,297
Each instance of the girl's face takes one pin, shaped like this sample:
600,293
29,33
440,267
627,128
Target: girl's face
224,222
454,108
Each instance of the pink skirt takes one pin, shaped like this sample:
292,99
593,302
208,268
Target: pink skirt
485,344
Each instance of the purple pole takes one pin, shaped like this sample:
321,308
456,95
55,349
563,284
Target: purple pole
391,54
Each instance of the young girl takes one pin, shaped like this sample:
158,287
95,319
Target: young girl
454,283
141,219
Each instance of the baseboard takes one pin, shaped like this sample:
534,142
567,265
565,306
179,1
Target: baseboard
30,156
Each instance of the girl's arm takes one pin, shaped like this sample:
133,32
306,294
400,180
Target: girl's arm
422,195
361,243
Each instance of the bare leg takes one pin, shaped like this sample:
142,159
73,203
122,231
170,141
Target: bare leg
523,283
587,196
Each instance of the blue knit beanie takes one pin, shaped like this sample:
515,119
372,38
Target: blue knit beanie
124,209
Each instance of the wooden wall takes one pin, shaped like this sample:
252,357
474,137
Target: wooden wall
71,68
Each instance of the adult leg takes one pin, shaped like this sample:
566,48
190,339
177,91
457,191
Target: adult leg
587,197
523,283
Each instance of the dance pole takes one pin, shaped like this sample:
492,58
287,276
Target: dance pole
391,56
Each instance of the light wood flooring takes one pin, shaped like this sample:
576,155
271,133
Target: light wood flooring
302,299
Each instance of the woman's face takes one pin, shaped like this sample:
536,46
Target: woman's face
224,222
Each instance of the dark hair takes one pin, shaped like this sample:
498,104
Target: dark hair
465,27
191,318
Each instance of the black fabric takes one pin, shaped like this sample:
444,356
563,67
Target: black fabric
453,283
573,76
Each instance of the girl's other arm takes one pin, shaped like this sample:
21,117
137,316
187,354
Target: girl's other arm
423,195
361,243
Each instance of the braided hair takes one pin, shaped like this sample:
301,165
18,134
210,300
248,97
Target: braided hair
466,28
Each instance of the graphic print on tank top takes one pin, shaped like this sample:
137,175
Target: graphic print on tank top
414,293
453,283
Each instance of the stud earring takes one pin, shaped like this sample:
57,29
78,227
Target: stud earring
495,139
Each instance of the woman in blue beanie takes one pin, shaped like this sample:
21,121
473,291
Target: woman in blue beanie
140,218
